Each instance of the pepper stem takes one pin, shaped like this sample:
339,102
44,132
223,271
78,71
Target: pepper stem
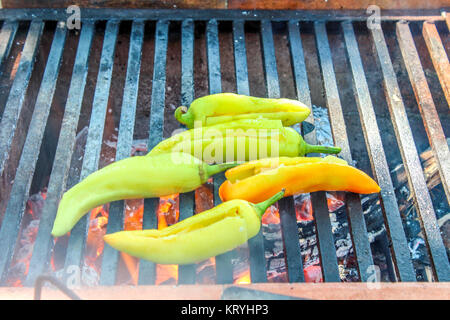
262,206
182,115
309,148
216,168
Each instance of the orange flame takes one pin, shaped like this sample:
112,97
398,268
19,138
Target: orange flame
168,213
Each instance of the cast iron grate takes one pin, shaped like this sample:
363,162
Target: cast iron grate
12,117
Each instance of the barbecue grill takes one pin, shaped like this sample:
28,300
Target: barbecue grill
43,60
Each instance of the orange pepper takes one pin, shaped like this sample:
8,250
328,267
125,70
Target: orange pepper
257,180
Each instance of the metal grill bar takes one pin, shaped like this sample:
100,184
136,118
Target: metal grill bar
13,108
438,56
187,273
288,219
321,215
63,153
354,209
27,163
220,14
289,224
9,29
378,158
426,104
147,269
258,270
224,269
124,142
240,58
270,63
92,149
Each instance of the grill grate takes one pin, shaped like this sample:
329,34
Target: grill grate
15,205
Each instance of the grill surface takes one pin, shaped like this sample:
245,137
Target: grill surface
12,117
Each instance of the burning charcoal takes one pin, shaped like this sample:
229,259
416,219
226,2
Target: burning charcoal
344,246
271,216
313,274
303,207
22,256
204,197
168,211
35,204
240,262
306,229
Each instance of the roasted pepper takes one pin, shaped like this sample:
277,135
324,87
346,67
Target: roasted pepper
196,238
226,107
241,140
133,178
297,175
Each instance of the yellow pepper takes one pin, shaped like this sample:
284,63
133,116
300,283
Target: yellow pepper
259,179
227,107
133,178
242,140
204,235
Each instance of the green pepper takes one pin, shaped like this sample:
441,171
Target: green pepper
204,235
133,178
227,107
242,140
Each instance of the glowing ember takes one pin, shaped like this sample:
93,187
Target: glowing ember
166,274
94,242
243,278
271,216
21,260
313,273
168,213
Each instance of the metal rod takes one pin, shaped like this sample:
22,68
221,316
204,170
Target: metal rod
240,58
110,256
438,56
147,269
92,149
187,273
355,216
270,63
224,269
39,283
7,34
325,240
286,206
13,108
258,270
228,15
64,150
303,95
29,156
377,157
